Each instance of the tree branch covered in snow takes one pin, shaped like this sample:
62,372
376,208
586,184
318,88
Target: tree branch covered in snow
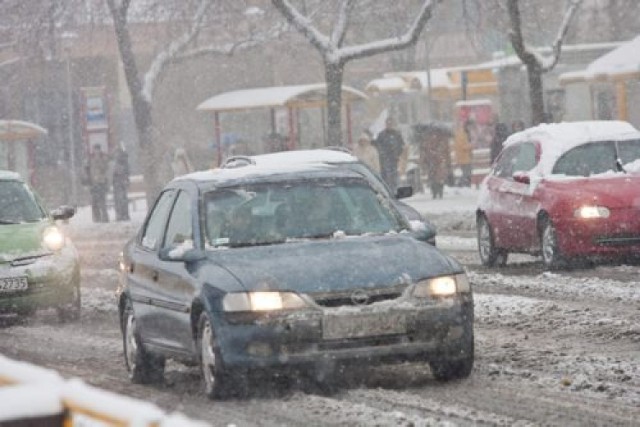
340,29
231,48
330,47
335,55
161,61
527,54
9,62
562,32
303,24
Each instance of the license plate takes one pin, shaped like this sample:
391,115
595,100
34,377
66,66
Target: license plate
362,325
13,284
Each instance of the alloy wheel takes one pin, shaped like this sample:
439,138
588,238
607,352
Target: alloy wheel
131,344
208,357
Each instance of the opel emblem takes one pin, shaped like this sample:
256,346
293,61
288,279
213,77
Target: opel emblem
359,297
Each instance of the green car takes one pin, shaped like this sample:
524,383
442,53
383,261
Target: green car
39,266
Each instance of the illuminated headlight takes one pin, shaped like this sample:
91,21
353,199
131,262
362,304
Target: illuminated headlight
53,239
442,286
588,212
262,301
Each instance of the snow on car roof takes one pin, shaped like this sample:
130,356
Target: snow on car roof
269,169
299,157
558,138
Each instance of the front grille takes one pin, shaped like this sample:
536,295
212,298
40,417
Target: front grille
345,298
362,342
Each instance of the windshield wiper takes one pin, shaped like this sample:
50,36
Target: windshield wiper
619,165
6,221
248,244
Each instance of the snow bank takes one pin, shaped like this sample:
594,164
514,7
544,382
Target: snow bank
37,392
25,401
12,372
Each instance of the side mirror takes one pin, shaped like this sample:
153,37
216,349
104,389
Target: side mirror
404,192
423,231
522,178
63,212
181,254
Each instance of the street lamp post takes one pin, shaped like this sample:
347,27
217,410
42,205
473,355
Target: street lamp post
67,40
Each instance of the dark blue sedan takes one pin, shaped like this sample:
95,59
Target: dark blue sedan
302,266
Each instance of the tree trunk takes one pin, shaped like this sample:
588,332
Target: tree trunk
536,94
333,75
141,106
147,150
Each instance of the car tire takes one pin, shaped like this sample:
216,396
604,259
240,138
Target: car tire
447,370
71,312
143,367
551,256
490,256
214,376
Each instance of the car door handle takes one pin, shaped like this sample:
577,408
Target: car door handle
154,276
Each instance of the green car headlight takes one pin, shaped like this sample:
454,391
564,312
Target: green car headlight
262,301
442,286
53,239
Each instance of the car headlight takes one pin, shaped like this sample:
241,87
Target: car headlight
53,239
589,212
262,301
442,286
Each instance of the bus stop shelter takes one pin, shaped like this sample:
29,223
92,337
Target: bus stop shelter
291,98
17,146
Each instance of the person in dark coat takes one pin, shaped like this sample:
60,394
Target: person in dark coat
390,146
121,184
500,134
437,158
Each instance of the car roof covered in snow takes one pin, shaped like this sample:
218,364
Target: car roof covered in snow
558,138
298,157
10,176
267,172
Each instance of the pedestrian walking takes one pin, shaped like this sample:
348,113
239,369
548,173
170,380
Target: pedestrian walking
121,184
390,146
366,152
98,180
435,157
463,150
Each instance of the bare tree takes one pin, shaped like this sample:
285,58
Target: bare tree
536,64
142,86
335,55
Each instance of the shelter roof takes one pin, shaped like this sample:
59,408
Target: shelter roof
18,130
300,96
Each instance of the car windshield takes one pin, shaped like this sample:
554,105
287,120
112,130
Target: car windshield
18,204
279,212
600,157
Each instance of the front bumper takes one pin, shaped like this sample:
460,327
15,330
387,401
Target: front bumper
430,332
619,234
51,281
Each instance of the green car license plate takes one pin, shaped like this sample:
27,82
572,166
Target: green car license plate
13,284
362,325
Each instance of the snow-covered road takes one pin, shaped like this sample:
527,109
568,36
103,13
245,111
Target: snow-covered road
551,348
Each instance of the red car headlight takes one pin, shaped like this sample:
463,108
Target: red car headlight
590,212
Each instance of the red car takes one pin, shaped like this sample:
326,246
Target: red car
564,191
